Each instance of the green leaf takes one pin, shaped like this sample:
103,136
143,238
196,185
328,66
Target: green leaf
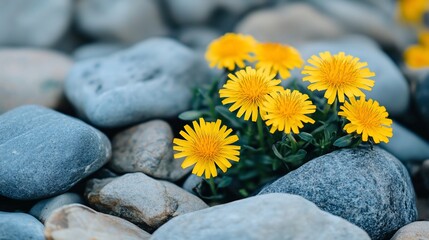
224,182
344,141
243,192
224,112
276,152
305,136
190,115
252,149
297,157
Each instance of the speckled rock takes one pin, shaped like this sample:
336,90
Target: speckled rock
271,216
153,79
140,199
406,145
96,50
31,76
192,182
413,231
44,153
147,148
43,209
369,188
76,221
20,226
40,23
389,81
126,21
303,22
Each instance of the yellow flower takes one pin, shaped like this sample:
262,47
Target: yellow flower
412,11
286,111
229,50
247,90
277,58
367,118
206,145
417,56
339,75
424,38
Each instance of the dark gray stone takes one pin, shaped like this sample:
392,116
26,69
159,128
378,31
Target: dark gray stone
44,153
20,226
34,23
43,209
369,188
272,216
153,79
422,98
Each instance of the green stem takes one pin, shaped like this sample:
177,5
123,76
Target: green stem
212,186
260,131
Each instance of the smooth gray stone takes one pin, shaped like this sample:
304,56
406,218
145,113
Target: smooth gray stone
96,50
153,79
20,226
34,23
369,188
413,231
45,153
43,209
272,216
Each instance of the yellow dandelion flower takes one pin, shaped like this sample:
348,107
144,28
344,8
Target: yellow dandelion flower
247,90
367,118
339,75
417,56
206,146
286,111
277,58
424,38
229,50
412,11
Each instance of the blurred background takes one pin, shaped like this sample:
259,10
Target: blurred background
40,40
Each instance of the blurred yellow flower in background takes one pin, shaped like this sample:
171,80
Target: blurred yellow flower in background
286,111
412,11
230,50
367,118
247,90
417,56
277,58
206,146
339,75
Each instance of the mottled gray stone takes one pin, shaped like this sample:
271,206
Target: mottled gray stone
34,23
20,226
389,81
153,79
43,209
96,50
413,231
76,221
406,145
192,182
126,21
147,148
32,76
44,153
369,188
140,199
303,22
271,216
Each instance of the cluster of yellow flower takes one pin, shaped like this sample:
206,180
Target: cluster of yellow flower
417,56
255,93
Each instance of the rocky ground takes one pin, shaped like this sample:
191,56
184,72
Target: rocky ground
89,97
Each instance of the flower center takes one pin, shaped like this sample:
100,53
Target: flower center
368,117
207,148
254,89
338,73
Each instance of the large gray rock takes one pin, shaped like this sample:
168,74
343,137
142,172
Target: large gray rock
43,209
153,79
271,216
44,153
422,97
413,231
127,21
369,188
140,199
96,50
31,76
34,23
147,148
293,24
20,226
389,81
406,145
76,221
